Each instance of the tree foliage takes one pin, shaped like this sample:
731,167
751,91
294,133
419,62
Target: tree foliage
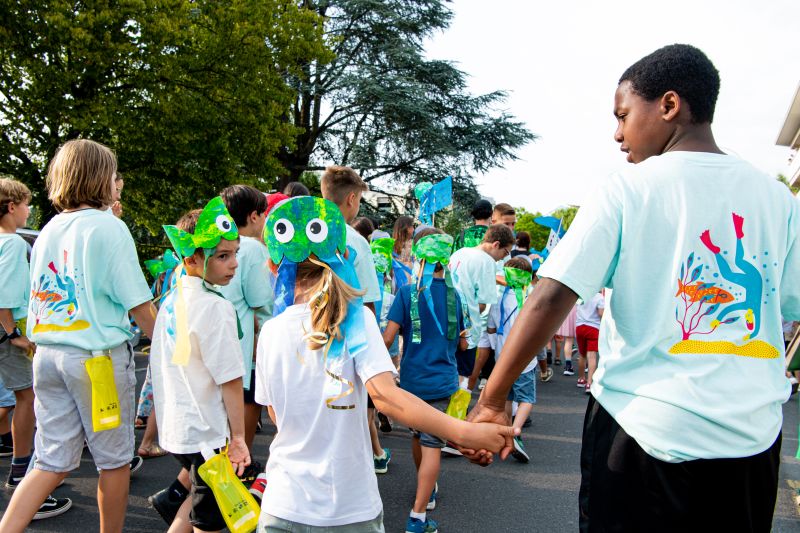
381,107
539,234
192,94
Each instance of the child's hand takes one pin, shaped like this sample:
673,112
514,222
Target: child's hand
24,344
487,436
238,454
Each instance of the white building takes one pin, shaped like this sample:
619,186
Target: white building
790,136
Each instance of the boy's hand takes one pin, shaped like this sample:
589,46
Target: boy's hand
23,343
238,454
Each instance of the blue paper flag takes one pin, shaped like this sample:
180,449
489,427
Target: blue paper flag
436,198
551,222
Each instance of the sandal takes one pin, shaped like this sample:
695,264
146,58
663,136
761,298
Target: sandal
151,452
141,422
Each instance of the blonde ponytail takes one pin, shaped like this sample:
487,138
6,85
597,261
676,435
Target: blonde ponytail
328,298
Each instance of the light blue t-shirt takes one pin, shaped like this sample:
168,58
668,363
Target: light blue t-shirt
702,252
364,265
473,272
85,276
14,276
249,289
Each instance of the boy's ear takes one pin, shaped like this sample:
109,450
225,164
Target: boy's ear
671,105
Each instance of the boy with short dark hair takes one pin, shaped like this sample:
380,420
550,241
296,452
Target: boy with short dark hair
250,290
703,253
472,236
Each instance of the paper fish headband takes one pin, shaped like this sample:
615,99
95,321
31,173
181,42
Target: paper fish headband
429,251
213,225
305,227
382,254
167,262
518,280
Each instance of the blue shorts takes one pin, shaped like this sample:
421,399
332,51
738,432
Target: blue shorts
524,389
7,398
426,439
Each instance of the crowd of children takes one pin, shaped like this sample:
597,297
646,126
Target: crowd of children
288,301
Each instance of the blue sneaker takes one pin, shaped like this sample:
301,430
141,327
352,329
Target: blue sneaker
415,525
432,501
382,464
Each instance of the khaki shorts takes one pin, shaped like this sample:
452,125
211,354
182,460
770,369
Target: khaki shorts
272,524
63,406
16,368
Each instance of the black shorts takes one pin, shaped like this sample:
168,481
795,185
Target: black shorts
465,361
625,489
205,514
250,394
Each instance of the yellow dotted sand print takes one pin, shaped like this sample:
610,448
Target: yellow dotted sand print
757,349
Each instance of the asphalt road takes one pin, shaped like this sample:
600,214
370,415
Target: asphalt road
506,497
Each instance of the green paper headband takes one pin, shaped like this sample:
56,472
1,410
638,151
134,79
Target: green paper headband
516,277
434,248
167,261
302,226
518,280
382,253
213,225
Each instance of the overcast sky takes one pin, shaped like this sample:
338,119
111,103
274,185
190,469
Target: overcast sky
560,62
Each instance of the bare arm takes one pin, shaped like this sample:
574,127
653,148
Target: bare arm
390,333
406,408
145,316
233,398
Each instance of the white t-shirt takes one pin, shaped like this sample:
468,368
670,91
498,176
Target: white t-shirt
474,275
703,253
506,313
364,265
188,399
320,467
588,313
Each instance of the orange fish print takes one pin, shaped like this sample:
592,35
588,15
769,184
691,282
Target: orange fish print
699,291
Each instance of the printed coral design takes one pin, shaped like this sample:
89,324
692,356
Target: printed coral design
701,298
54,301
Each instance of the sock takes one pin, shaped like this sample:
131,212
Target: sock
177,492
418,516
21,461
6,439
381,456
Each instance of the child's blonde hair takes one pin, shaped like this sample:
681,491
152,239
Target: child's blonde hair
81,172
329,296
12,192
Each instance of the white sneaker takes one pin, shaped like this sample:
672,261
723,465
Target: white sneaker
482,384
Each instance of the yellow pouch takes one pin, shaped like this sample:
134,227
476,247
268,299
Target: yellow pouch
105,401
459,403
237,505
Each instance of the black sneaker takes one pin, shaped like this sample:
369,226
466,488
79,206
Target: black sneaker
136,464
385,425
251,472
519,451
527,423
6,451
15,475
166,503
53,507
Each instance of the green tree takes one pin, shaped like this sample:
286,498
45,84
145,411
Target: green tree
539,234
794,188
192,94
382,108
